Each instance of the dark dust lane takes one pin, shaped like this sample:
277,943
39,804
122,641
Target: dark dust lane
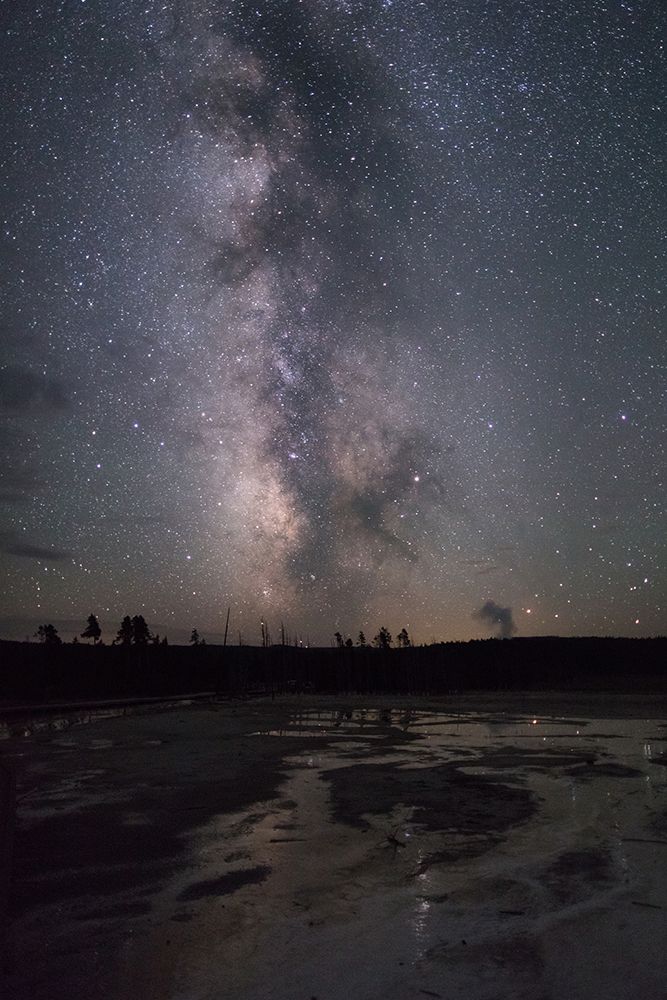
334,849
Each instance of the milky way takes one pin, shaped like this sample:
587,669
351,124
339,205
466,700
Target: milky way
340,313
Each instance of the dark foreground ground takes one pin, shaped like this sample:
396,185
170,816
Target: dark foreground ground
494,847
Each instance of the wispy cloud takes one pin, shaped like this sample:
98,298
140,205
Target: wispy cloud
26,550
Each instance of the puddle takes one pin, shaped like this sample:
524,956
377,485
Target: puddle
226,884
56,723
312,733
270,850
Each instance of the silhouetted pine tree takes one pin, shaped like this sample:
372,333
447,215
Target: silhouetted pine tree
92,630
383,639
403,639
140,632
49,635
125,632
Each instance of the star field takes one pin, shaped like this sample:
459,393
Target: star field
342,313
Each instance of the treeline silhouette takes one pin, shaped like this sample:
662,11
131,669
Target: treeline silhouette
55,671
135,632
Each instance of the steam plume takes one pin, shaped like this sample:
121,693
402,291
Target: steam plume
498,618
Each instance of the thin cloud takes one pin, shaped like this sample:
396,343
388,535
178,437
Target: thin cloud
25,550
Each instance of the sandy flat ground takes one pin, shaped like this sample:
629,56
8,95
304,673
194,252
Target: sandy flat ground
505,846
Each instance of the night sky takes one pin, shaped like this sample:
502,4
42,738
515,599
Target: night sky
342,313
